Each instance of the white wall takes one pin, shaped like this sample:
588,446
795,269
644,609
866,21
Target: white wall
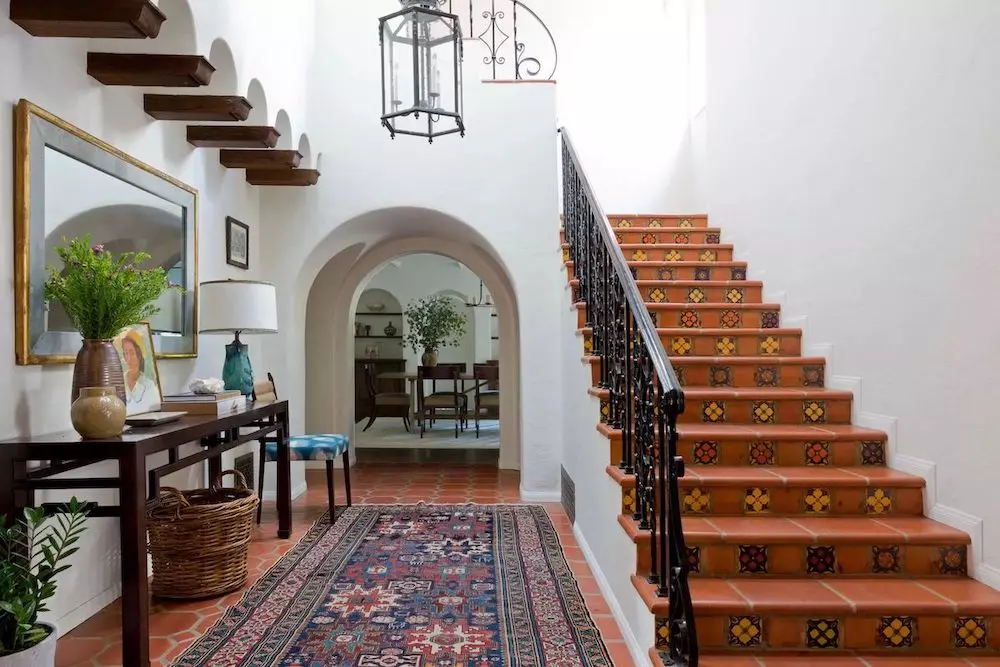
626,94
494,191
51,73
855,158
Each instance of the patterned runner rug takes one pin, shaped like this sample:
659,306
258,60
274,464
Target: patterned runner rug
413,586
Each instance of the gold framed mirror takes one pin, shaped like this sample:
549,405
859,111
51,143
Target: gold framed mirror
68,184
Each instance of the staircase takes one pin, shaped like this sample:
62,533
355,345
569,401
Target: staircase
803,547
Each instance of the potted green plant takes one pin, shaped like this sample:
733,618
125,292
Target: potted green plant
433,323
102,293
34,551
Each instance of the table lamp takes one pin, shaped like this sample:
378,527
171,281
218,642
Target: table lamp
237,307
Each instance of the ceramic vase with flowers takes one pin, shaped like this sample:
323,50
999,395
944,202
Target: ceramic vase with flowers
102,293
433,323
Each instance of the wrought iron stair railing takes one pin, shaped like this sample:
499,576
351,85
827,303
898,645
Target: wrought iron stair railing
518,44
645,397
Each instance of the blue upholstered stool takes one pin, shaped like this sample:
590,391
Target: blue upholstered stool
323,447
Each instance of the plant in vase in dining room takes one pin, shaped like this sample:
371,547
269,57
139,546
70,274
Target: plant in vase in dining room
433,322
102,293
33,551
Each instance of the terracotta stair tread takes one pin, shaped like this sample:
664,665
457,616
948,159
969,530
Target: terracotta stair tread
743,331
704,306
786,476
717,331
748,393
675,246
687,360
690,283
826,432
832,597
765,393
808,530
658,216
670,230
678,265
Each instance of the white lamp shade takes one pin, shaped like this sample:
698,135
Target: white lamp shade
248,306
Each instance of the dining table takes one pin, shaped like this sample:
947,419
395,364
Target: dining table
411,380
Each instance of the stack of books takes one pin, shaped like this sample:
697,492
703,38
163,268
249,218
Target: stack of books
222,403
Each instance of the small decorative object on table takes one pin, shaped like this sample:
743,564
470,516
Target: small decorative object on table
32,553
199,539
207,386
98,413
433,323
142,376
238,307
389,331
102,294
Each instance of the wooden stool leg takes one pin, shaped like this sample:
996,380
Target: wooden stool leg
347,475
331,499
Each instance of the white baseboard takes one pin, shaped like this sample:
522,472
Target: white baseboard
639,655
297,491
988,575
541,496
75,617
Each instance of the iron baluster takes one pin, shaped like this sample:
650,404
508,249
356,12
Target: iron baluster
628,462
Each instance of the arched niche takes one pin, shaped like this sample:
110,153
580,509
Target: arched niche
283,124
257,97
225,80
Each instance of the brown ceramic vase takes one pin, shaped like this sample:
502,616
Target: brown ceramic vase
98,413
429,358
98,365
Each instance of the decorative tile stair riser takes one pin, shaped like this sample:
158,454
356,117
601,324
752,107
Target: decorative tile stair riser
420,585
803,547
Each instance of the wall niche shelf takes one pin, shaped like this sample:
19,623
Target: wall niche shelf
379,337
368,314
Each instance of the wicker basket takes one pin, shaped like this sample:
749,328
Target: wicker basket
199,539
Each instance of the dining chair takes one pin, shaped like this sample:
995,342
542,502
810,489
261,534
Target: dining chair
385,404
428,405
462,397
323,447
485,375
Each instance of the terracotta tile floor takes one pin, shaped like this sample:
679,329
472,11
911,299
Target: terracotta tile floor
174,626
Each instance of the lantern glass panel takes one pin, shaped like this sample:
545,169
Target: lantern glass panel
422,73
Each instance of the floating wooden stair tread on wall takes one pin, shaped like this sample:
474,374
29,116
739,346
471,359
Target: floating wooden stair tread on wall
116,19
286,177
232,136
261,158
149,69
197,107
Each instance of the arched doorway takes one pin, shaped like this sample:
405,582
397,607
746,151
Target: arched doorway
333,293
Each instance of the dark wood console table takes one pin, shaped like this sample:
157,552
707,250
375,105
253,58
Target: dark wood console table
62,452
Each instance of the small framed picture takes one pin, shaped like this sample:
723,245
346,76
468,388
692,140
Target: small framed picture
142,376
371,351
237,243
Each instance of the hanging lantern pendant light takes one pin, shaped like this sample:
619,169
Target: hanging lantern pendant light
421,71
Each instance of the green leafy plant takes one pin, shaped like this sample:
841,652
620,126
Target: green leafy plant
32,553
433,323
103,293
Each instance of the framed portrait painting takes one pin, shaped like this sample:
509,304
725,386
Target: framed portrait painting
237,243
142,377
